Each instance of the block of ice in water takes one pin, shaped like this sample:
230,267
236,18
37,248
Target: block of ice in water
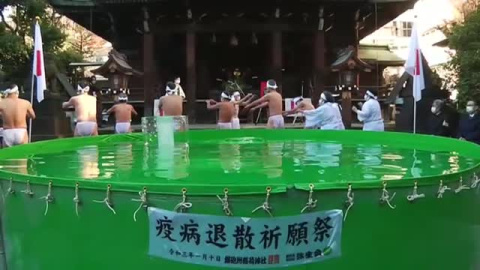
161,129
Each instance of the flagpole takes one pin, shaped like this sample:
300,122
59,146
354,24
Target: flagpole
31,101
414,87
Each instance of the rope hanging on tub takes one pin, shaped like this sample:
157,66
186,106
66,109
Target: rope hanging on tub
48,198
475,181
414,196
265,205
142,200
441,190
76,199
311,203
225,204
349,202
385,198
461,186
107,201
183,205
28,191
10,189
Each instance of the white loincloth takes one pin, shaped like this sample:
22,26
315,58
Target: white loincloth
224,125
85,128
14,136
276,121
235,123
122,127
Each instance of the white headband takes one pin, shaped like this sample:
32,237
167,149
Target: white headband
224,95
123,98
83,90
11,90
171,91
371,94
297,99
273,86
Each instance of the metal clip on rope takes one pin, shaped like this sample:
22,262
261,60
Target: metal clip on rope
76,199
311,203
48,198
414,196
224,201
385,198
142,200
266,205
475,181
107,201
183,205
10,189
349,202
28,191
461,186
441,190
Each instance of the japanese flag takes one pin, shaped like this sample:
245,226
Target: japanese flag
414,65
38,64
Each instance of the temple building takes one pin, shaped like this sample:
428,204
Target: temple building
210,43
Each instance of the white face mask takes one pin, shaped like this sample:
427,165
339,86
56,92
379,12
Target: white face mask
177,81
470,109
366,97
434,110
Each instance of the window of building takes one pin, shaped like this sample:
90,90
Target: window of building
402,29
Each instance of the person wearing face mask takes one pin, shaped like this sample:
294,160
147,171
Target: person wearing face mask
179,87
327,116
440,121
469,128
371,113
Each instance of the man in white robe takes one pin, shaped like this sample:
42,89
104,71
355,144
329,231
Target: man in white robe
327,116
371,113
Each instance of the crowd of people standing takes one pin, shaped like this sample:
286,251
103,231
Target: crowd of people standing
443,121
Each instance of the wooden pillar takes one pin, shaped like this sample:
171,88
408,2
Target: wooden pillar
277,58
319,69
191,91
148,73
347,108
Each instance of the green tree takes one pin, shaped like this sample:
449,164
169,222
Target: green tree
464,38
16,39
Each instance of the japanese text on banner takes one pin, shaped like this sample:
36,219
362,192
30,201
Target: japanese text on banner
245,242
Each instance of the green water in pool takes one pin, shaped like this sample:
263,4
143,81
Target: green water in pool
239,161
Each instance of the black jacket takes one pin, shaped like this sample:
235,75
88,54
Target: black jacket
469,128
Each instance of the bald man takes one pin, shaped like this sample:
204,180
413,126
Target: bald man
86,110
272,100
15,112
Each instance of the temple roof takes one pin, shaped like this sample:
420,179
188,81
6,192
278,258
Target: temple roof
116,62
380,54
345,58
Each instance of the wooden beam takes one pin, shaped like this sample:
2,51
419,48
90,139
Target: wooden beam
277,58
234,27
191,64
319,67
148,73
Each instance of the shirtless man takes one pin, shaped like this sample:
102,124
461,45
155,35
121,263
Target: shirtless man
226,111
238,101
14,113
86,111
171,104
300,106
273,100
123,114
